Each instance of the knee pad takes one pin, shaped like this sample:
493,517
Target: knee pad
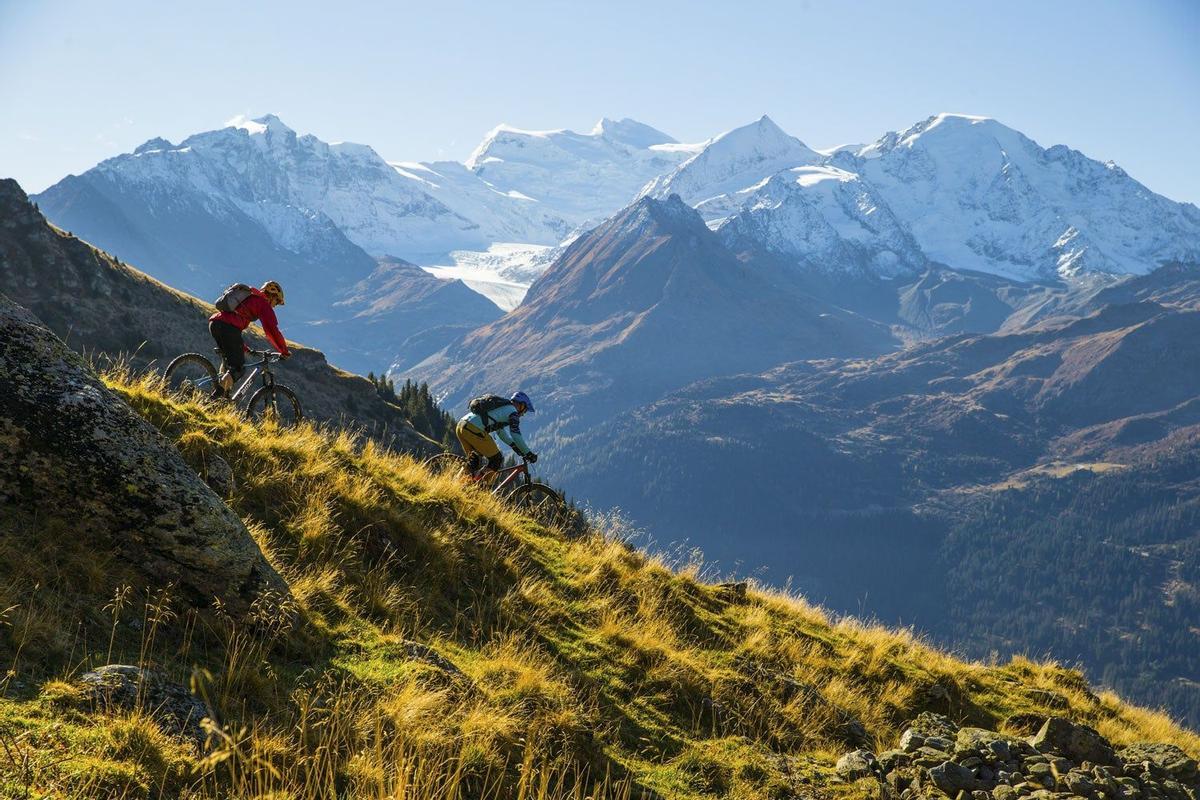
496,461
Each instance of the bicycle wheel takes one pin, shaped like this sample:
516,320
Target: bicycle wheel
275,402
191,375
447,464
540,502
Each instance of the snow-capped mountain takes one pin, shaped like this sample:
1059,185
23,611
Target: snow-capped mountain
581,177
500,216
969,192
733,161
825,219
979,195
964,192
254,196
219,207
269,189
348,183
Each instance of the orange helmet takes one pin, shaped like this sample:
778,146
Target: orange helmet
274,292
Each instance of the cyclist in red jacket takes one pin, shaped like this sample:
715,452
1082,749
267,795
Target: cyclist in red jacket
226,328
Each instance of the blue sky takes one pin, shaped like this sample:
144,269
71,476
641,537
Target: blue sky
81,81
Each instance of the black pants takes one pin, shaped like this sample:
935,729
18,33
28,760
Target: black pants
229,340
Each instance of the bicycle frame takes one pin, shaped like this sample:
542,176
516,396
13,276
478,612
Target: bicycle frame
255,368
510,474
262,366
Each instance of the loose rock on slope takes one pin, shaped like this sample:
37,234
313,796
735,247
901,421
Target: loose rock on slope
1062,760
120,687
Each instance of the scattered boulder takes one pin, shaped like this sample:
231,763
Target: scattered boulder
119,687
445,673
1171,759
911,740
852,732
415,651
929,725
989,745
858,764
952,778
733,592
1078,742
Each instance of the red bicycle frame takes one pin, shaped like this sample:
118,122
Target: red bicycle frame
509,473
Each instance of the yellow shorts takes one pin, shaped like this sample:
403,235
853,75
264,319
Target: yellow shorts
474,440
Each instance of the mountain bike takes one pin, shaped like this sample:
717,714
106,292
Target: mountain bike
192,375
513,484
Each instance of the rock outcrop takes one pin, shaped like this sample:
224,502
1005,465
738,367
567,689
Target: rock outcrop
1062,761
80,464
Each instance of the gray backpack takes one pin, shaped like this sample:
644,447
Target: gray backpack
233,297
484,405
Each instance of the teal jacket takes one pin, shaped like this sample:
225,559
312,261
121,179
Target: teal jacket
509,430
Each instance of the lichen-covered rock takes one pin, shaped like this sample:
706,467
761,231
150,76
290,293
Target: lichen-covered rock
1176,763
989,746
930,725
891,759
952,778
1005,792
80,464
119,687
911,741
426,654
857,764
1078,742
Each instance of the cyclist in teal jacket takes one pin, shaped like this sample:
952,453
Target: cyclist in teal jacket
474,433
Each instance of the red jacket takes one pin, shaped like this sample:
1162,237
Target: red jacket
256,307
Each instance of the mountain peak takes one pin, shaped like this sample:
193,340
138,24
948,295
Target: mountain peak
733,161
631,132
15,208
268,123
765,139
940,126
151,145
670,211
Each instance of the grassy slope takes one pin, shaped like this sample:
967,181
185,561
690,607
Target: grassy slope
585,665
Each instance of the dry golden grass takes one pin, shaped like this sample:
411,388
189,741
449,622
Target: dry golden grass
579,667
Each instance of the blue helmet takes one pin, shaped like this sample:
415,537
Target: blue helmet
523,399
